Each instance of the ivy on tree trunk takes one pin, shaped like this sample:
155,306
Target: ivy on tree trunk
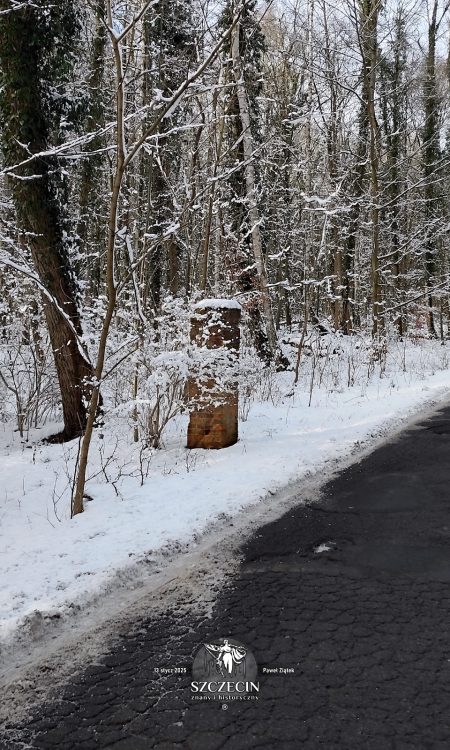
35,62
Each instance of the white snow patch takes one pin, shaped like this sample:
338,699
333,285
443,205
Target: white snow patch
325,547
218,304
51,564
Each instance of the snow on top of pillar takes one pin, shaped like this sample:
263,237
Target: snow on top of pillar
218,304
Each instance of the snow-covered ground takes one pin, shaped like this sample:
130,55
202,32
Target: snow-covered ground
168,497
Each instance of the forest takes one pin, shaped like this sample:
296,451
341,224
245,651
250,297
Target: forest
288,154
224,374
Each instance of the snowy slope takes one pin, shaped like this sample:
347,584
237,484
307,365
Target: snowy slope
50,562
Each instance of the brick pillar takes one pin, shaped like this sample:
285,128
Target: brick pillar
215,326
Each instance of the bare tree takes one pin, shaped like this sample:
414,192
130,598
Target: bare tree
125,155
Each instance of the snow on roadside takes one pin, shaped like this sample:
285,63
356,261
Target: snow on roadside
49,562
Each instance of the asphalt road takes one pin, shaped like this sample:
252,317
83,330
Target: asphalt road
365,625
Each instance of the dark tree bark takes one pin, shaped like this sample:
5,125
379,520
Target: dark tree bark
243,63
169,37
431,152
93,184
367,31
394,106
31,67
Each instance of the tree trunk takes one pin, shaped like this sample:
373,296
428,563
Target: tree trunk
250,184
38,190
430,158
369,26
